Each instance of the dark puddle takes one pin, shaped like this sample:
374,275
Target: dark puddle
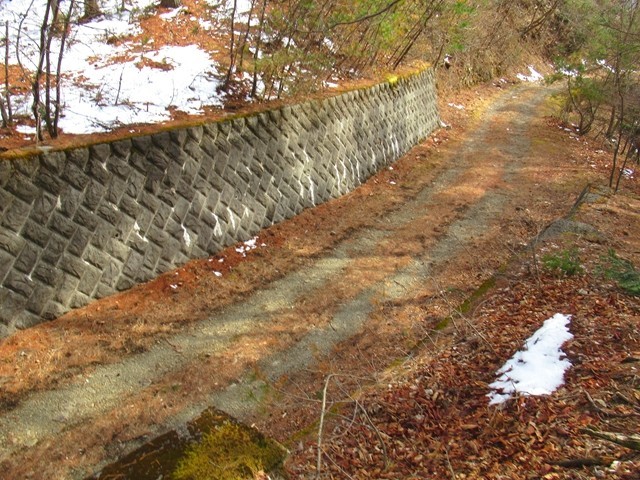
214,446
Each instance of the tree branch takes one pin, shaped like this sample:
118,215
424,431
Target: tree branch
367,17
630,441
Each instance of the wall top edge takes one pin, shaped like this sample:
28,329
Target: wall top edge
390,80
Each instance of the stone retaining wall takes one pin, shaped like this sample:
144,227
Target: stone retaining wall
83,223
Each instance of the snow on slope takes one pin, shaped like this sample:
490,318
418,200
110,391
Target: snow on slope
100,93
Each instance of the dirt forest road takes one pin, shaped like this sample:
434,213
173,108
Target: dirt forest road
345,288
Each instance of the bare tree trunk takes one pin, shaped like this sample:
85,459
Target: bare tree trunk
619,83
612,118
91,11
169,3
616,151
36,107
55,10
254,82
3,113
63,40
7,100
245,37
622,168
232,53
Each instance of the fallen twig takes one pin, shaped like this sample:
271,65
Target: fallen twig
583,462
608,413
630,441
321,426
593,403
377,432
449,466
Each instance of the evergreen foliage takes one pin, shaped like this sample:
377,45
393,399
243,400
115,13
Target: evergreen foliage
565,263
622,272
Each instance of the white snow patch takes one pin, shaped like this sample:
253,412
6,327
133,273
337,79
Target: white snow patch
567,72
186,237
173,13
232,218
537,369
110,94
532,77
206,24
329,44
136,228
249,245
603,63
456,106
26,130
217,230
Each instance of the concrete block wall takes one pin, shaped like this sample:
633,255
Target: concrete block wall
83,223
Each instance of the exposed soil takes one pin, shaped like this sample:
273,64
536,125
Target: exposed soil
347,289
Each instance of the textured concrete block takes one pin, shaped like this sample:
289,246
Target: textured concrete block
109,212
130,206
79,242
95,257
50,182
89,281
86,218
47,274
15,215
75,176
53,161
26,319
72,265
111,273
36,233
53,310
77,157
79,300
142,143
117,249
54,249
6,264
97,169
40,297
119,165
43,207
11,242
115,190
22,187
120,148
66,289
19,283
